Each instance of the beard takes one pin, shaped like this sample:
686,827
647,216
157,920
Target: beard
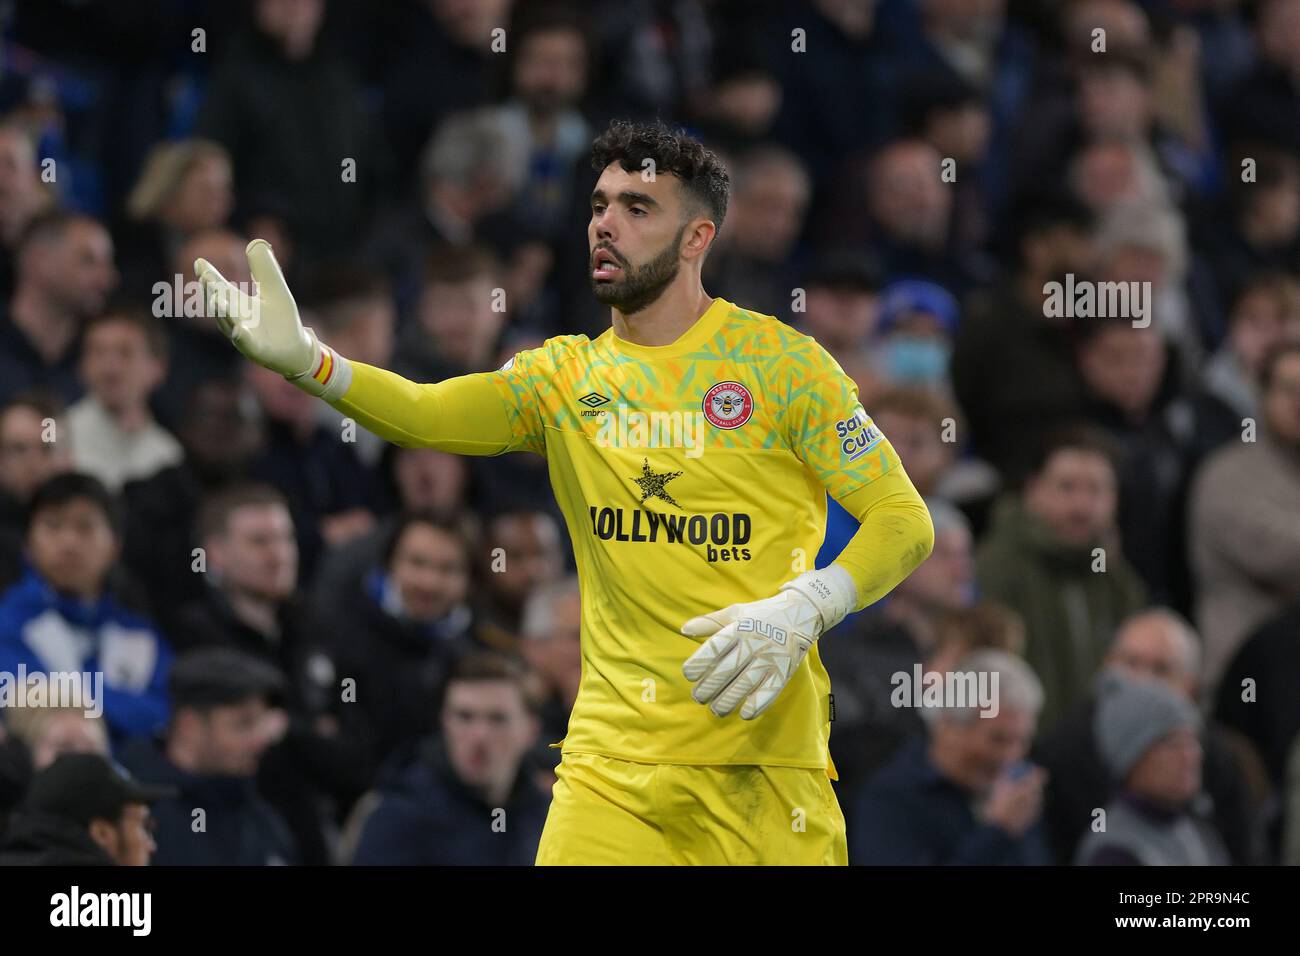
637,287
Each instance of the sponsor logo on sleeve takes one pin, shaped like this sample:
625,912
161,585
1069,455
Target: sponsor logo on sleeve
857,434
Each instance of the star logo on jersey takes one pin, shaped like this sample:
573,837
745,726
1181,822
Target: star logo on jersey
652,483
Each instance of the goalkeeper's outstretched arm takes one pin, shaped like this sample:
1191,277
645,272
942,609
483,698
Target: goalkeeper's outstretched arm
464,415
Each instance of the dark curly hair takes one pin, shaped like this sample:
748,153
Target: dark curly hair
702,173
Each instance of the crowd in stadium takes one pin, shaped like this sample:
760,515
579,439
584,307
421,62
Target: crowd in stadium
331,650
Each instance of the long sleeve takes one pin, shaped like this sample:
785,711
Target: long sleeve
896,535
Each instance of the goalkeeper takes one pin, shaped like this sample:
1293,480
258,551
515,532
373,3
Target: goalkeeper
690,448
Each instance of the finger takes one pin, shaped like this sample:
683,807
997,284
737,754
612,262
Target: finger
740,688
731,659
217,296
705,656
764,695
266,272
710,623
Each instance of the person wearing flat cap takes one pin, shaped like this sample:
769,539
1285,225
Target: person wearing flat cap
224,717
1148,739
83,810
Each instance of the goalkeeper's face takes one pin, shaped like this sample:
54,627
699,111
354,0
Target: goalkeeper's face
637,237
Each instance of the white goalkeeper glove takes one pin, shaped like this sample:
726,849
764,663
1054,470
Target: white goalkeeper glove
267,328
753,649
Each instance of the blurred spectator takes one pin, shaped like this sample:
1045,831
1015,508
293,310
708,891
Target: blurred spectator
27,460
863,658
46,731
965,796
1245,520
223,720
1256,695
184,190
280,104
221,431
399,632
1147,736
1264,315
841,311
769,199
64,273
22,196
447,65
351,308
918,322
424,480
197,349
458,320
551,645
114,435
1258,109
329,491
1130,376
523,550
1291,848
1157,644
252,606
83,810
469,797
1013,367
62,618
1051,555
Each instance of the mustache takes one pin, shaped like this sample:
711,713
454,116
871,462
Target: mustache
607,247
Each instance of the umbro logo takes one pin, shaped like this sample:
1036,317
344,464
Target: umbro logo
594,400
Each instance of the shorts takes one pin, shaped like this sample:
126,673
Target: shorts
607,812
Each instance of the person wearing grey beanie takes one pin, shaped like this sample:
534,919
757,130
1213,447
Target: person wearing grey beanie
1147,737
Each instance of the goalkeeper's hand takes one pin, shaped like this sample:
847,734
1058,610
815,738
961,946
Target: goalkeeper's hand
753,649
267,327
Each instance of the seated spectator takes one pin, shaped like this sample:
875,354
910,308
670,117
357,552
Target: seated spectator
842,311
965,795
1156,644
221,431
551,644
1244,522
64,275
918,322
61,617
184,189
400,632
470,798
113,432
28,457
523,550
1264,315
328,489
1013,366
251,605
82,810
1043,558
23,195
1257,695
223,720
1147,735
1131,381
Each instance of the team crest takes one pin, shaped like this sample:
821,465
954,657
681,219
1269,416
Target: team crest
728,405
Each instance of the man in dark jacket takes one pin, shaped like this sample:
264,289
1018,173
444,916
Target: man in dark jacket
324,761
1158,644
82,810
470,798
965,796
222,723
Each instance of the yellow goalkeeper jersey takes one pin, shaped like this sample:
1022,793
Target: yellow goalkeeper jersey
691,476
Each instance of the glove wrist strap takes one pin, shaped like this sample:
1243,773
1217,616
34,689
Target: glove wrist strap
328,376
830,589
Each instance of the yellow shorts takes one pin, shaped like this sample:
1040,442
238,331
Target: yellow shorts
607,812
